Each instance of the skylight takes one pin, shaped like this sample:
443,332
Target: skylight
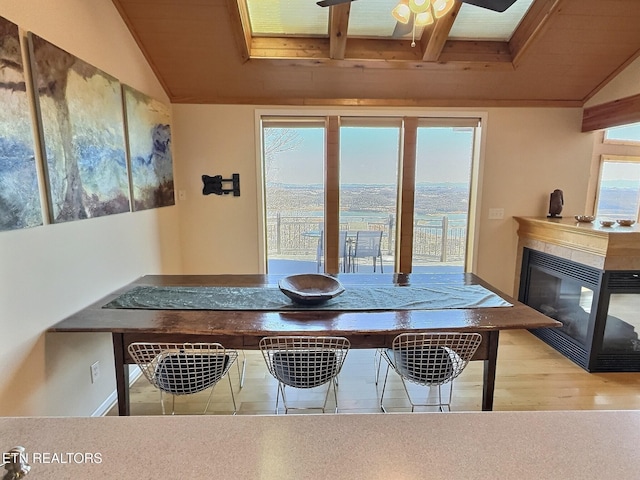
372,18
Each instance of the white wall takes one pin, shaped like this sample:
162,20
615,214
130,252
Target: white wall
528,153
626,84
220,232
49,272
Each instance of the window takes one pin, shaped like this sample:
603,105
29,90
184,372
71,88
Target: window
334,181
626,134
444,156
618,188
369,156
293,165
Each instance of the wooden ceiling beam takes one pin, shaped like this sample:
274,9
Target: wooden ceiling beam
338,27
532,27
374,102
611,114
241,26
439,34
376,53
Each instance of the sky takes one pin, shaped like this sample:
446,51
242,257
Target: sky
369,156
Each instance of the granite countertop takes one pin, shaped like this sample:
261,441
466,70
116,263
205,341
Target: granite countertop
478,445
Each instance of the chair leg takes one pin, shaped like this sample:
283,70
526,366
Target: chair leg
335,393
377,363
284,401
233,397
242,371
162,402
209,400
384,386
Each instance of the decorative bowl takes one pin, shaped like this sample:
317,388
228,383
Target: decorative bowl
607,223
626,223
310,288
585,218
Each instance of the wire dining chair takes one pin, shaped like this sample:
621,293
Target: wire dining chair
304,363
184,368
428,359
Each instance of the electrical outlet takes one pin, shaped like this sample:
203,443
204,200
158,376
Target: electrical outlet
496,213
95,372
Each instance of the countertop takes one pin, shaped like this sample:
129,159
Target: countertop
478,445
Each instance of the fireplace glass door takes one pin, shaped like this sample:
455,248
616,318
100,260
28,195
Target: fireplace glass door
564,299
623,323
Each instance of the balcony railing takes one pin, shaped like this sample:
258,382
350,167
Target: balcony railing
435,240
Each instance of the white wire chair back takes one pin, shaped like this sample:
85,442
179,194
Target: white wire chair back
430,359
433,358
183,368
304,362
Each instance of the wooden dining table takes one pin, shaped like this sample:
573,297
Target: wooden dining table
243,329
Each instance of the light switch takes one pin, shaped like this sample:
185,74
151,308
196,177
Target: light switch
496,213
182,194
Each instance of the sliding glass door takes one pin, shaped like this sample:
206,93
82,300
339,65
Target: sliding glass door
293,163
335,181
369,156
444,159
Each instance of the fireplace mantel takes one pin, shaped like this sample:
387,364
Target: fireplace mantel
605,248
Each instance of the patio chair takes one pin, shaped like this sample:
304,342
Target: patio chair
342,251
367,244
428,359
183,368
304,363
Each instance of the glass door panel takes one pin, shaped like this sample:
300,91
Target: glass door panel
444,158
623,324
369,154
293,159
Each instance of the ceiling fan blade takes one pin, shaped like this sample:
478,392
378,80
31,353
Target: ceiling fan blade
402,29
495,5
329,3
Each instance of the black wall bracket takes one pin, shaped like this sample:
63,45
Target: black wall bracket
214,185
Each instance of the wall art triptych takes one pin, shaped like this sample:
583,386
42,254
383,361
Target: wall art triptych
149,135
19,193
85,121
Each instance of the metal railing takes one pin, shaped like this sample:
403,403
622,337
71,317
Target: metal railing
435,240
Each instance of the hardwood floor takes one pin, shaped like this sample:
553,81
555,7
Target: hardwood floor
531,376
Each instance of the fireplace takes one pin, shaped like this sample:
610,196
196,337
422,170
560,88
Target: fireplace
598,310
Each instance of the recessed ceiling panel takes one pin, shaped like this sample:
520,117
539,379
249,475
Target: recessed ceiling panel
287,17
476,23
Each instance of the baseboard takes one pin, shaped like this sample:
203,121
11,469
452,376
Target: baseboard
111,400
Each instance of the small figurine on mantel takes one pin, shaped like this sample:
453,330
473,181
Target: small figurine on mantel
555,204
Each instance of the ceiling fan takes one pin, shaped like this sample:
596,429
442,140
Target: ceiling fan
495,5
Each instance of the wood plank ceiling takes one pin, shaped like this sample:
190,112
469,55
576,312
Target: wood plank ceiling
561,54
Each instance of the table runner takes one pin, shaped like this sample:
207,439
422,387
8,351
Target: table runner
354,298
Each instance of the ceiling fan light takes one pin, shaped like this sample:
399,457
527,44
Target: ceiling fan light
424,18
401,13
442,7
419,6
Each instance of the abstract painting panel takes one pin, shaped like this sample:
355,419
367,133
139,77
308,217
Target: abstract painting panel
82,125
19,198
149,135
